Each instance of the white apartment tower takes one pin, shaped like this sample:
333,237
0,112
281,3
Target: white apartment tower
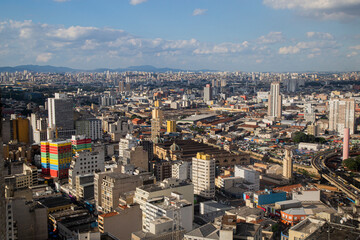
342,115
203,175
275,101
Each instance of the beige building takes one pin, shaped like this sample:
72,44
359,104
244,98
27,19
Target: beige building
203,175
139,158
108,186
28,178
125,220
115,184
288,165
156,122
26,220
275,101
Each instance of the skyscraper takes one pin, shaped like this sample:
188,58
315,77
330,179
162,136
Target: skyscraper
156,121
207,93
203,175
61,114
342,115
275,101
288,165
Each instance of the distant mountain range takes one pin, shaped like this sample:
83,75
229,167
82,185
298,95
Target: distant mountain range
52,69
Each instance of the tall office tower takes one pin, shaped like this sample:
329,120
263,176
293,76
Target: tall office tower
128,87
91,128
56,157
2,184
207,93
61,113
288,165
274,103
171,126
107,101
342,115
346,143
156,121
80,143
121,86
203,175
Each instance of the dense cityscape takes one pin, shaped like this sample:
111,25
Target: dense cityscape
180,155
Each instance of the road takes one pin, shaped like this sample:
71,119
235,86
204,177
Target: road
318,162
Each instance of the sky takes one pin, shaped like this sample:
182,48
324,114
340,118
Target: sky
227,35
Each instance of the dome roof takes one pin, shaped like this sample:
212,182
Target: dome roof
174,147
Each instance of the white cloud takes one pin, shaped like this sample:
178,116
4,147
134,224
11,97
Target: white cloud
352,54
61,0
357,47
289,50
319,35
81,47
272,37
326,9
44,57
136,2
199,11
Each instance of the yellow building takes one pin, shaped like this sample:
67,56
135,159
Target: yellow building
171,126
20,130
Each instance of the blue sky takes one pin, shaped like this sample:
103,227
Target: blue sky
230,35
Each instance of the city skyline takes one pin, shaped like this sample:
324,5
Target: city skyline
229,36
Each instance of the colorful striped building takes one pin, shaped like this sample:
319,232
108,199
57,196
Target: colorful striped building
56,157
80,143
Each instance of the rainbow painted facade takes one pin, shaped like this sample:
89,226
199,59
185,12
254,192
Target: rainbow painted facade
56,157
80,143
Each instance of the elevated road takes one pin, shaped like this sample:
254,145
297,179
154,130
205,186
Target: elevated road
318,162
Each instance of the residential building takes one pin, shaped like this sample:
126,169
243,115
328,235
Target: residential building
275,101
173,206
85,162
342,115
203,175
207,93
156,123
181,170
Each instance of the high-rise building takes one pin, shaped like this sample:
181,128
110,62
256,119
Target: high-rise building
121,86
56,157
85,162
346,143
156,122
207,93
92,128
125,146
80,143
171,126
60,111
2,184
19,130
342,115
275,101
288,165
203,175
